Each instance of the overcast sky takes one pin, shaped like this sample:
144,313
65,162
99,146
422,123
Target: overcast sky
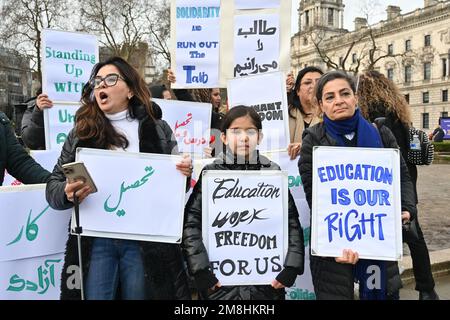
353,8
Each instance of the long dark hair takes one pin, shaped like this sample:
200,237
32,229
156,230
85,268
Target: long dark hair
238,112
294,100
91,123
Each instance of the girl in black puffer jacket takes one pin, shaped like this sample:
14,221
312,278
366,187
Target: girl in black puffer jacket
241,141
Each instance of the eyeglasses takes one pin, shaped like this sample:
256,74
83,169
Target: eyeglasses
109,80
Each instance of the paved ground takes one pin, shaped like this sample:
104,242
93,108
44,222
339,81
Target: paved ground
434,205
434,216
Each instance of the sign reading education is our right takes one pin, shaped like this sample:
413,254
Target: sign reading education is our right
356,202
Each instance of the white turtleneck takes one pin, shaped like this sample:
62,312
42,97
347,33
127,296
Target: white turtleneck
123,124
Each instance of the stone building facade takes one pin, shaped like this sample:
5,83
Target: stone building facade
416,46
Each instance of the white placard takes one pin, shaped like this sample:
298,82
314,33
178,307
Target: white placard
196,43
271,105
32,279
58,121
356,202
28,226
46,158
190,123
67,62
256,44
303,289
9,180
256,4
132,198
244,225
198,165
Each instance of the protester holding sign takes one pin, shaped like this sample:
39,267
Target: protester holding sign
379,98
303,111
33,134
116,113
241,133
344,126
15,159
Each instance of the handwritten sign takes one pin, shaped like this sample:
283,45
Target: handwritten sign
67,61
9,180
256,44
58,121
196,36
132,198
256,4
30,228
303,289
190,123
36,278
245,224
356,202
271,105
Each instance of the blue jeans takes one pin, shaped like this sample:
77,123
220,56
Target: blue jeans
114,260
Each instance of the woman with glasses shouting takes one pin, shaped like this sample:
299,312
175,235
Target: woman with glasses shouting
116,113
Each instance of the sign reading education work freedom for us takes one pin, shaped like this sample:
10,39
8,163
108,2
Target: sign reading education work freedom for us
245,224
196,47
256,44
132,198
37,278
30,228
271,105
356,202
67,62
58,121
190,123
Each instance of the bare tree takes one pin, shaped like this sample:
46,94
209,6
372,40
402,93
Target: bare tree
23,22
119,23
158,22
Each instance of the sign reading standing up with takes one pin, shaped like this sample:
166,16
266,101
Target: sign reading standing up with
356,202
245,224
67,62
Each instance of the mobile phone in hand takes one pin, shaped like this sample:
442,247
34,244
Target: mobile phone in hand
75,171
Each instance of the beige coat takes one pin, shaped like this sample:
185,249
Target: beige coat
297,126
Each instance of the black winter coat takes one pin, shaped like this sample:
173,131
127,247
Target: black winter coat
164,270
332,280
197,256
15,159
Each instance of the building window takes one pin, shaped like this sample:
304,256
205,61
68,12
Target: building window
408,72
427,71
390,74
307,18
407,97
427,40
408,45
444,68
426,97
425,120
444,95
444,114
354,59
390,49
330,17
